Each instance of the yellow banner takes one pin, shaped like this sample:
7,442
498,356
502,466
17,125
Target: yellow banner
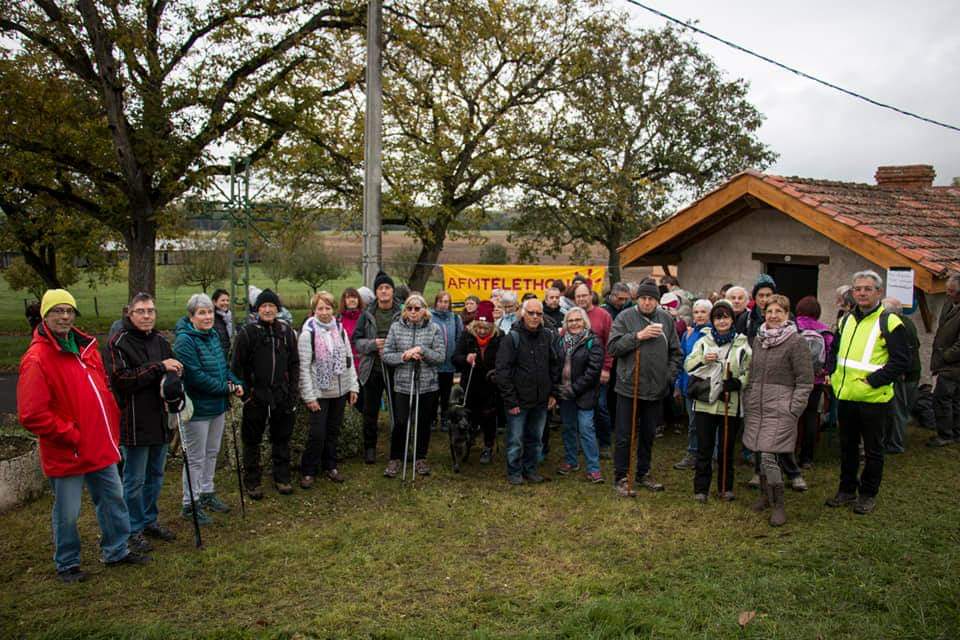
463,280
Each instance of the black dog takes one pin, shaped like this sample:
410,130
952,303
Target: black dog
462,431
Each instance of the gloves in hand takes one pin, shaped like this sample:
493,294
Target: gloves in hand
731,384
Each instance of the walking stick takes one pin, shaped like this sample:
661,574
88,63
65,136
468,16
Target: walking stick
406,437
186,468
416,417
466,391
386,384
726,421
236,457
633,422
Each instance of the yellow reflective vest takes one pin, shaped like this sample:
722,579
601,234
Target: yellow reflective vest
862,351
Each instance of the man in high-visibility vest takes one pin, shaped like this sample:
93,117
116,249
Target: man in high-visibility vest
871,353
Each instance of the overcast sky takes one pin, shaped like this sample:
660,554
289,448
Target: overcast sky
900,53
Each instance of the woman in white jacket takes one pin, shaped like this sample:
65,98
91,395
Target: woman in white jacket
328,380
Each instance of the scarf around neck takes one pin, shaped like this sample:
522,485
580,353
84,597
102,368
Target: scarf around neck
724,338
770,337
227,320
330,355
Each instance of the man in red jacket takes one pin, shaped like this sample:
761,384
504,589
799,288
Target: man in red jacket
63,397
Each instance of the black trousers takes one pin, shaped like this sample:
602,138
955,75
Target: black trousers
324,432
810,424
445,380
256,417
649,413
710,433
866,421
946,407
426,414
372,392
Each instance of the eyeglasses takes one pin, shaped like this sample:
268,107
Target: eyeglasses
412,308
575,320
534,313
63,311
144,312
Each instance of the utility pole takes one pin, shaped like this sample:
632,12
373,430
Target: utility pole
373,146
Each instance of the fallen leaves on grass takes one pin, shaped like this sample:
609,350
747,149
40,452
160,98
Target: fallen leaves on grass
746,617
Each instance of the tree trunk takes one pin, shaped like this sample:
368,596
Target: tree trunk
141,238
614,238
429,254
44,262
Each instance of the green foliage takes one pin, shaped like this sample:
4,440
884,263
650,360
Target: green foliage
312,265
22,277
202,263
494,253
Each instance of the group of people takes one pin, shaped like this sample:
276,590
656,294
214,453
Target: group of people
745,366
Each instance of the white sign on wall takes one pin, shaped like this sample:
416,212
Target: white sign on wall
900,285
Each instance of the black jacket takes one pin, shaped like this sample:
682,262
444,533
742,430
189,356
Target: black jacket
266,359
945,359
483,398
586,362
220,326
135,366
555,315
528,375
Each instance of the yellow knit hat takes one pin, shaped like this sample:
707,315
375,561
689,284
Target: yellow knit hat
53,297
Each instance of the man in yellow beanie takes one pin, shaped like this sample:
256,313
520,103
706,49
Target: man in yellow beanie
63,397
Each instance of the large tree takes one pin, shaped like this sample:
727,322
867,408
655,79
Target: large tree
649,116
162,86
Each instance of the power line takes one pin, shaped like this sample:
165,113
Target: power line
736,46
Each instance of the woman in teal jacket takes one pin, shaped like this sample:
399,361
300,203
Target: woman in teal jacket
209,383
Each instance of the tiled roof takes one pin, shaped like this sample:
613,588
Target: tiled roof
922,224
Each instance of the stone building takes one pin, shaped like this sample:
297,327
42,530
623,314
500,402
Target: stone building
812,234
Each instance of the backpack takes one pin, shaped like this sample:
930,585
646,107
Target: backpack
818,349
343,336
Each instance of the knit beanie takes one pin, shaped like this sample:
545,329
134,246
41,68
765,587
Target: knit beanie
53,297
648,290
765,281
267,296
670,301
485,311
382,278
722,307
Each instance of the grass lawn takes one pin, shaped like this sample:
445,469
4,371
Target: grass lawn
468,556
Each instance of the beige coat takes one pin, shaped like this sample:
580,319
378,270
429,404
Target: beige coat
777,390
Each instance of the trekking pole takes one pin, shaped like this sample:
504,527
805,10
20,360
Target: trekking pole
186,468
416,416
726,422
236,457
633,422
466,391
386,384
406,437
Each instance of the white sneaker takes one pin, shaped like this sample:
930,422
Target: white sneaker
799,484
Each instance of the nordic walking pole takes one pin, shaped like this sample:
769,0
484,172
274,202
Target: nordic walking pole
726,433
633,422
466,392
416,416
236,457
406,437
186,468
386,384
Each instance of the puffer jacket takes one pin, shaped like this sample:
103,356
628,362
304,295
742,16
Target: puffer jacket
205,371
945,358
687,342
779,385
660,358
136,369
266,359
737,356
342,384
64,399
483,397
406,335
530,373
365,339
452,326
586,363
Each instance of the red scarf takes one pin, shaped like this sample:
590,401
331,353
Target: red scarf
483,342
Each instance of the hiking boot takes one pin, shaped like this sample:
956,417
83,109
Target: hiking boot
255,493
132,558
566,469
865,505
138,543
778,517
763,500
799,484
688,462
605,453
624,490
594,477
202,518
700,497
161,533
211,502
754,482
486,456
335,476
421,468
728,496
393,468
515,480
72,575
842,499
937,441
283,488
647,482
306,482
534,478
370,456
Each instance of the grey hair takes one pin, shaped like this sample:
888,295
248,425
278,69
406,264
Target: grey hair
523,307
583,314
842,289
739,288
508,297
704,303
893,305
619,287
871,275
198,301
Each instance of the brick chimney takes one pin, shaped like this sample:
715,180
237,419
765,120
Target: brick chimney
911,176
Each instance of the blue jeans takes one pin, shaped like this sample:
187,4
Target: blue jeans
142,481
524,436
107,495
579,422
602,422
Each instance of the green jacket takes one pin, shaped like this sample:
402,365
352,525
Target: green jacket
205,371
738,358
